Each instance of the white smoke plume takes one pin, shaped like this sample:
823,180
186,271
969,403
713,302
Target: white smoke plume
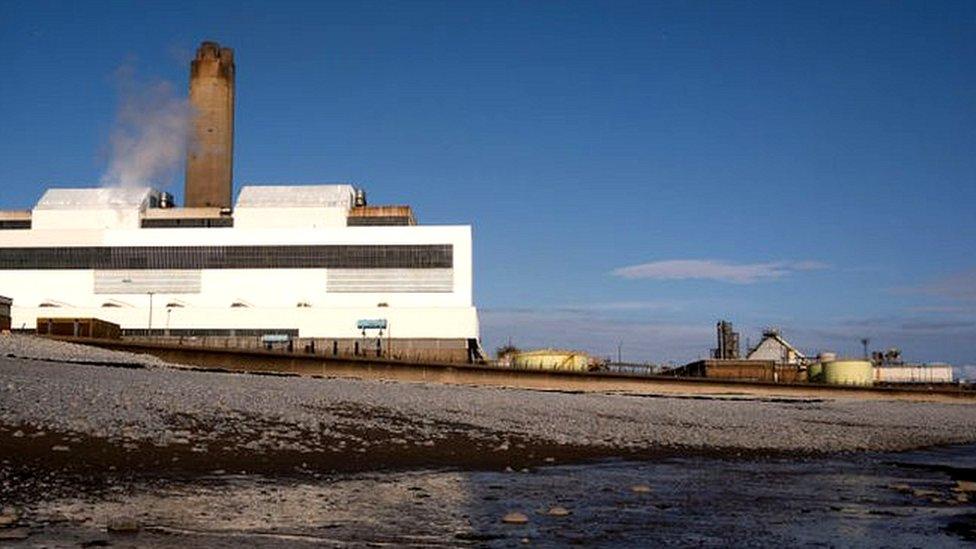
149,135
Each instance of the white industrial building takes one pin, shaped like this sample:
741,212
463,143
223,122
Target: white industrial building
774,347
311,266
307,262
914,373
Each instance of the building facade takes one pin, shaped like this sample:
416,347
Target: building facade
914,373
293,261
773,347
5,320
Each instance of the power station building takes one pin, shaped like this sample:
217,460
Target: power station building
313,265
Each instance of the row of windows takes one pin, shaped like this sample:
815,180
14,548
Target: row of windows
209,332
188,223
15,224
384,220
425,256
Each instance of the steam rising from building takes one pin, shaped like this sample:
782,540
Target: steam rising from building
149,135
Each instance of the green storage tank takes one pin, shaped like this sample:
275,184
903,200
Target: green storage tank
815,372
848,372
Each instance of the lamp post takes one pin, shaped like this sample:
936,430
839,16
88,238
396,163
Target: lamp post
128,280
149,331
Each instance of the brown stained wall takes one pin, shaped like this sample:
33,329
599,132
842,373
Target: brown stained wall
78,327
381,211
435,350
757,371
210,158
380,215
748,370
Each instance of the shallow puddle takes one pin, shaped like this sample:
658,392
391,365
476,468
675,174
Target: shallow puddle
907,499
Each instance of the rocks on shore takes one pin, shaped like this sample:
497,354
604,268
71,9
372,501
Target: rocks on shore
40,348
558,511
9,516
966,486
133,408
14,534
515,517
123,525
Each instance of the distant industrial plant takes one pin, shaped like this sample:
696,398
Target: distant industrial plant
777,360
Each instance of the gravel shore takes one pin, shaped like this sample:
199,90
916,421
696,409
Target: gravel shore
207,411
37,348
100,447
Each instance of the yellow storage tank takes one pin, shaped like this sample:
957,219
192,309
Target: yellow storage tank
848,372
551,359
815,369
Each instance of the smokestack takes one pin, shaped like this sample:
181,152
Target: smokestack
210,158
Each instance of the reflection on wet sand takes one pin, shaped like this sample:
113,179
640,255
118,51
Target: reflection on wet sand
684,501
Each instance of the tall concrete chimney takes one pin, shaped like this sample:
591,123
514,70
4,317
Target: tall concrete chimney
210,158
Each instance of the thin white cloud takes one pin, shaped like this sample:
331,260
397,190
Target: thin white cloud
939,309
958,286
635,305
710,269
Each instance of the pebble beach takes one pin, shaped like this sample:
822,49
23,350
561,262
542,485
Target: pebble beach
76,419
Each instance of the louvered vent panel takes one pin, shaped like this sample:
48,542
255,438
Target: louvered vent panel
390,280
144,282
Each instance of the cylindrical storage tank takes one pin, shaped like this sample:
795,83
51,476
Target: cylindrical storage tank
815,372
848,372
551,359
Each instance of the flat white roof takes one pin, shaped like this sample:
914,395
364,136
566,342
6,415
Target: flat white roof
93,199
296,196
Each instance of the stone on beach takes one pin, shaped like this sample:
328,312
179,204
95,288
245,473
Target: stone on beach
9,516
558,511
14,534
123,525
965,486
515,518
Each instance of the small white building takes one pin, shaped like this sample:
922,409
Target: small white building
308,262
913,373
774,347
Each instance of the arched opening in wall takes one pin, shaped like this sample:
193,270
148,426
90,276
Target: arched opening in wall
110,304
240,305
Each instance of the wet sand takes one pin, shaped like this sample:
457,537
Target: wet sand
913,499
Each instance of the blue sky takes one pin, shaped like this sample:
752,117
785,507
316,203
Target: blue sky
634,171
